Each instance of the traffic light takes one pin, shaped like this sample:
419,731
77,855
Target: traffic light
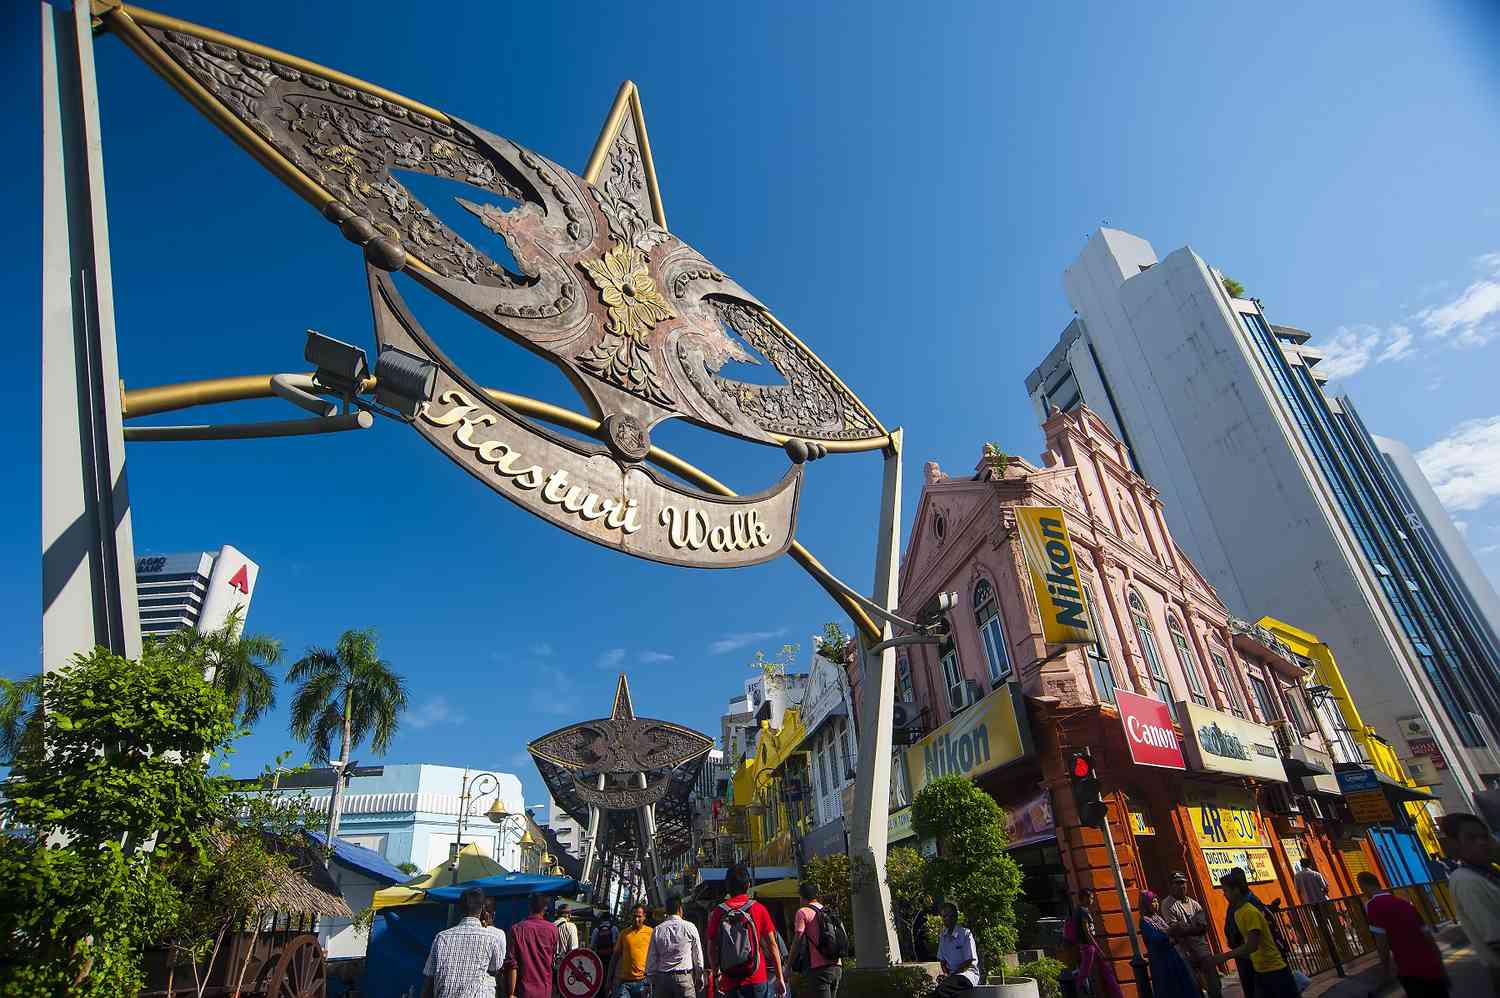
1086,788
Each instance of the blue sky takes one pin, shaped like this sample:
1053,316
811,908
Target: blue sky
902,184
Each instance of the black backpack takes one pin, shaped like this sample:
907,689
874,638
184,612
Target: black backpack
833,941
739,942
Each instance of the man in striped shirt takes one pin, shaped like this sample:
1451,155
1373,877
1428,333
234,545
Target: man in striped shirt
464,960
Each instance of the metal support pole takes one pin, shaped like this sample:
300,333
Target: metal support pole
88,555
875,928
1137,962
591,843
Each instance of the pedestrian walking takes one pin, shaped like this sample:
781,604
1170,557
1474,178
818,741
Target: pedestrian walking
958,956
1475,886
1403,938
627,972
534,943
1188,924
1171,977
1312,887
674,961
742,947
464,960
567,931
819,941
604,938
1249,930
1095,974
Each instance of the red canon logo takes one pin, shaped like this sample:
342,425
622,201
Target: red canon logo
1150,734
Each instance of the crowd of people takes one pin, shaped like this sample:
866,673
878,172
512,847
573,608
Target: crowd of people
742,955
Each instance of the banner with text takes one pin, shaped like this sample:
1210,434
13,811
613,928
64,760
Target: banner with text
1149,732
988,735
1054,575
1217,742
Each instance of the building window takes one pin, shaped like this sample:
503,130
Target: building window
1098,653
823,773
953,676
1147,638
1188,661
903,680
987,617
848,747
1226,683
1264,700
1294,709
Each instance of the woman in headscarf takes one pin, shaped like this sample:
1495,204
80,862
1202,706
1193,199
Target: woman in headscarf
1095,975
1170,975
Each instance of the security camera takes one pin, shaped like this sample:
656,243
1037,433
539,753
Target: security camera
341,366
933,617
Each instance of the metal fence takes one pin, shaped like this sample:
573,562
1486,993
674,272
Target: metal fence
1323,937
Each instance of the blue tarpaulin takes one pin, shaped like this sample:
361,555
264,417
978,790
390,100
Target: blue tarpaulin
400,937
365,860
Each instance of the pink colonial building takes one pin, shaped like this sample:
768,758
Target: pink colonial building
997,704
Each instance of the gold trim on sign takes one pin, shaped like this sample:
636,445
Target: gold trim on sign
627,99
211,391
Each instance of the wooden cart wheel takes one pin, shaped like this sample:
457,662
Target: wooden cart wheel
302,971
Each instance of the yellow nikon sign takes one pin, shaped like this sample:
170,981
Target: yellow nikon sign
1054,575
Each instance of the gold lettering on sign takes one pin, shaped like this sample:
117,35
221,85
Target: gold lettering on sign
689,528
466,417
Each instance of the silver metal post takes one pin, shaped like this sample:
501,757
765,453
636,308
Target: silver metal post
875,928
88,555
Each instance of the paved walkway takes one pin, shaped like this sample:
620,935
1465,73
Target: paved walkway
1470,978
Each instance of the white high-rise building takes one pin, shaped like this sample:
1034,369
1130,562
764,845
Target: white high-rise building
570,834
199,589
1278,492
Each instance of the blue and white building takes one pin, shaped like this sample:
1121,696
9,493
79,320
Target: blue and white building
409,813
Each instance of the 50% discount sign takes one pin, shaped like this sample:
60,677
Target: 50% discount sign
580,974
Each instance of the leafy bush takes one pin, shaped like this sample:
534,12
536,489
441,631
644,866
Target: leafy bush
972,868
1046,971
900,981
1235,288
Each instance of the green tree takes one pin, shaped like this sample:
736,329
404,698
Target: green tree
349,692
237,663
972,868
906,876
17,712
1234,288
125,746
833,644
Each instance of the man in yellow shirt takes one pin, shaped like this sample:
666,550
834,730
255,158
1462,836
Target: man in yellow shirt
1249,931
627,969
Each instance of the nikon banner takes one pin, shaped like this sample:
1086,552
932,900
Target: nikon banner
1054,575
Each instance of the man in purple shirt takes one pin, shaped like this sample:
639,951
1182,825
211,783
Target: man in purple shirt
533,952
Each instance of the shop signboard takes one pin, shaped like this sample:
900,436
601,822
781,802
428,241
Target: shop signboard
1217,742
1370,807
898,826
988,735
1149,731
1255,862
1356,780
1054,575
1140,824
1225,819
1423,771
1031,822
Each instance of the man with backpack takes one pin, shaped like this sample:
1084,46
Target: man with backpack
818,943
1256,948
742,941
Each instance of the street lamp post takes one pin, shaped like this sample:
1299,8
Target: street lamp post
497,815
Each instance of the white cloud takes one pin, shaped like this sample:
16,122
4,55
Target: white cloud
1464,466
433,710
541,649
1472,318
1400,345
1462,526
612,658
1488,549
654,657
554,693
734,642
1349,351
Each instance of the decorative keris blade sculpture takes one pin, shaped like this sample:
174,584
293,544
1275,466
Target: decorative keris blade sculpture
641,322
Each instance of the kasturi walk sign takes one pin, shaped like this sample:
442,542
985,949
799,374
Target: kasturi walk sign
1054,575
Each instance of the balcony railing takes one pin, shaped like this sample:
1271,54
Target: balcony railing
1321,937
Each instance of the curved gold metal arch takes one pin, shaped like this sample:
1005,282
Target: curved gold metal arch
151,401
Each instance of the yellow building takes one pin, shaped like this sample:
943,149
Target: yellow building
1375,749
764,792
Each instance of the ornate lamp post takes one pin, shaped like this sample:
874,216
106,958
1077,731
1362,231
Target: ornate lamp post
470,790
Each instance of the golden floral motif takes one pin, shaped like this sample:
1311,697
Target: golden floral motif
625,285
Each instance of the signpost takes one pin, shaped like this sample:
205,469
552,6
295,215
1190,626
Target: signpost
580,973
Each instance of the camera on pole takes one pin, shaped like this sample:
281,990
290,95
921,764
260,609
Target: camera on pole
1085,781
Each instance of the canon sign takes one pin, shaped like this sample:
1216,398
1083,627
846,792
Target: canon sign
1149,731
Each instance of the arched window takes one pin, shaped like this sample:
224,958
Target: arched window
987,619
953,676
1147,638
1098,653
1226,681
1188,661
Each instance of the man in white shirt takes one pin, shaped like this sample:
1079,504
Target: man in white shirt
567,932
464,960
674,961
1475,885
1311,885
958,956
1187,923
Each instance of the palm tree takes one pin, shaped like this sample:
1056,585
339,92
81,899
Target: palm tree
350,692
236,663
18,702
